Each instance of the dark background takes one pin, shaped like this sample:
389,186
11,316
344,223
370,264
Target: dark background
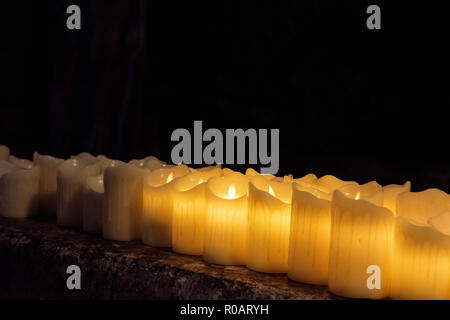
356,103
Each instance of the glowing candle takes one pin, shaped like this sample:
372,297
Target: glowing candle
390,194
269,213
421,264
227,171
189,211
226,220
4,153
157,205
93,195
361,244
122,213
309,178
69,194
370,191
18,190
420,206
153,163
309,242
21,163
83,155
47,182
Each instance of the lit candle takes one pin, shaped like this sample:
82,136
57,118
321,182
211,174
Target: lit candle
390,194
227,171
421,264
122,213
226,219
69,194
153,163
189,211
21,163
309,242
18,190
47,182
420,206
83,155
361,244
93,195
370,191
4,153
269,213
309,178
157,205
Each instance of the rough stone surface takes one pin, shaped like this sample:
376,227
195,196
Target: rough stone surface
34,255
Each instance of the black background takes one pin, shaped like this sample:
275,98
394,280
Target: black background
360,104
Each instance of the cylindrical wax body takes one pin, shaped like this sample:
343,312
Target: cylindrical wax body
269,214
122,215
19,189
69,194
93,196
361,244
226,220
47,182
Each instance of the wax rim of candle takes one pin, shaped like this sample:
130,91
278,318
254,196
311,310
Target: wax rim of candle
363,206
367,191
253,173
235,178
6,166
192,180
21,163
407,185
316,191
328,180
441,223
68,166
37,157
279,188
160,177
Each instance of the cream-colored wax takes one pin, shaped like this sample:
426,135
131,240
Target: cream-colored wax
122,215
309,241
421,264
189,211
93,196
269,213
4,153
390,194
21,163
106,162
18,190
69,194
361,239
226,220
420,206
332,183
253,173
158,205
370,191
47,182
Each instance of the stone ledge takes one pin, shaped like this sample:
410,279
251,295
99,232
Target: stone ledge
35,253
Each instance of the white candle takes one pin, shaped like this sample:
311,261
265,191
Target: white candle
158,205
122,213
332,183
226,220
370,191
309,242
253,173
361,244
189,211
47,182
18,190
4,153
105,162
93,195
69,196
269,213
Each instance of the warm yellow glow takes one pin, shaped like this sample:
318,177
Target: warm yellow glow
271,191
169,178
358,194
231,191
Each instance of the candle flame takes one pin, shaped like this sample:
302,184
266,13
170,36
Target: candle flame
271,191
169,178
231,191
358,194
200,181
